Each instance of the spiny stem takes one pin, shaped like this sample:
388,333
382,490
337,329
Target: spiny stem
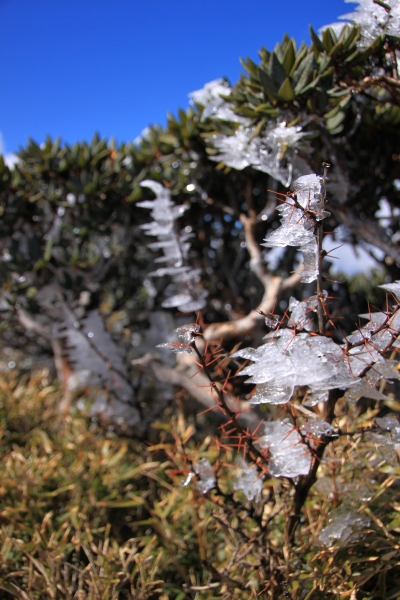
256,455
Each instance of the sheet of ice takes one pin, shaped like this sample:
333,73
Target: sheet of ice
247,479
386,446
184,333
343,523
206,475
393,287
316,397
363,389
317,428
289,456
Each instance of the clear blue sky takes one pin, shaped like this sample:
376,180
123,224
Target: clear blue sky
73,67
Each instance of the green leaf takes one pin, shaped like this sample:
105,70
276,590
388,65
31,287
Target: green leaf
277,71
335,121
329,39
268,84
336,49
286,92
316,40
289,57
303,72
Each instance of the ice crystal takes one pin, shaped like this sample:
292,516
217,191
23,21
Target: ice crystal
185,336
317,428
247,479
214,105
343,524
297,224
393,287
206,475
175,248
386,446
176,347
375,19
265,153
288,360
289,456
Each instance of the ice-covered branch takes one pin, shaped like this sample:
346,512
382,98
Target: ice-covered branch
271,152
185,293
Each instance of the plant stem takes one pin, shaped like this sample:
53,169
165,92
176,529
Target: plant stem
256,455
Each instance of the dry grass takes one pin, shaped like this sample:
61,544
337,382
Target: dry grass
85,515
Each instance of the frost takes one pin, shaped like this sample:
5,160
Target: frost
374,19
213,104
247,479
289,456
343,524
206,475
265,153
297,224
175,248
288,360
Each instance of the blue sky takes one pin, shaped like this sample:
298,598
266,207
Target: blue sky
74,67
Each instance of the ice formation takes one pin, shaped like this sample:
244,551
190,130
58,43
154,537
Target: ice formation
247,479
265,153
214,105
317,428
185,293
289,456
343,524
185,337
298,223
291,357
204,471
374,19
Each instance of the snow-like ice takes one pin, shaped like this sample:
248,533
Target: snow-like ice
247,479
206,475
